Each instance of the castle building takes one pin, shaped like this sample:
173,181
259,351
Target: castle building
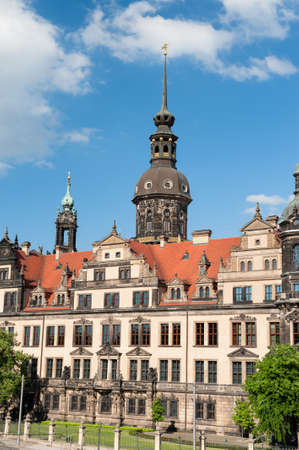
112,328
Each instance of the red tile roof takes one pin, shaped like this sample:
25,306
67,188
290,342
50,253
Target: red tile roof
169,261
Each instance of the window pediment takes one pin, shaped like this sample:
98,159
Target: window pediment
140,319
81,351
83,321
138,351
108,350
243,317
242,352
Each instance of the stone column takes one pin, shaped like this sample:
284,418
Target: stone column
117,432
81,436
7,424
158,438
203,440
250,444
51,432
27,427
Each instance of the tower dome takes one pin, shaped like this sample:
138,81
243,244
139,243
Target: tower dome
162,193
68,202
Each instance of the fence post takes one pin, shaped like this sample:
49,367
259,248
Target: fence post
7,424
27,427
81,436
51,431
117,432
203,440
158,438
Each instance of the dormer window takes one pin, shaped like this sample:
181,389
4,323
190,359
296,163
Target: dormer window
124,273
3,274
175,293
99,275
60,299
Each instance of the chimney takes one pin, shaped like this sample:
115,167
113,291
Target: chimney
201,237
26,247
272,220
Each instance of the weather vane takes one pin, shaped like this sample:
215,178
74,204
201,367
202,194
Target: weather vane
165,46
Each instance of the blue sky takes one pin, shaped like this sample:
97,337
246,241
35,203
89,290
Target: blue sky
81,80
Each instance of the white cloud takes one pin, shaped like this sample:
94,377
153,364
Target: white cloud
4,168
45,164
81,136
33,63
138,30
266,199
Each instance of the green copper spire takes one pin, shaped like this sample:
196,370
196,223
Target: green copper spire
68,201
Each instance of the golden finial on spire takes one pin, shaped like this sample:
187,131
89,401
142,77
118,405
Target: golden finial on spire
165,46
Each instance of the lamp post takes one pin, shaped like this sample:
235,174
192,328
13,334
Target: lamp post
99,435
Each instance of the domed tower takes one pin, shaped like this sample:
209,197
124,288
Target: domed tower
66,222
162,194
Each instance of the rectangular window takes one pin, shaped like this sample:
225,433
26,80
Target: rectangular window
242,294
236,330
60,335
26,336
47,401
199,333
199,410
250,333
82,403
131,405
78,335
237,372
248,296
250,368
74,403
50,339
163,370
133,370
55,401
34,367
145,334
124,273
175,370
36,333
116,334
86,368
114,369
11,330
278,290
164,333
173,408
164,405
49,368
211,411
99,275
176,334
134,334
268,293
85,301
111,299
274,333
144,369
106,334
212,372
141,407
88,335
238,294
58,373
76,368
104,370
199,371
140,298
212,338
296,333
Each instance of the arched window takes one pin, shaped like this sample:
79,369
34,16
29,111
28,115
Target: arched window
166,226
207,292
58,299
172,293
242,266
274,264
149,218
178,293
157,150
40,299
13,299
165,149
296,257
201,292
249,266
267,264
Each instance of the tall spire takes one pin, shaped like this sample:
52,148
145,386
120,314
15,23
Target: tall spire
68,201
164,107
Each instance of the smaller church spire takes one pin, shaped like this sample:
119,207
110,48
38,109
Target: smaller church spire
164,107
114,229
257,211
68,201
6,234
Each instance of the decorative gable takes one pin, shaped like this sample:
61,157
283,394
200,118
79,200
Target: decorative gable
176,289
242,352
138,351
81,351
257,223
108,350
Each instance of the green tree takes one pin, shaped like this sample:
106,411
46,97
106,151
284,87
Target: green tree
243,416
12,363
157,410
273,393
